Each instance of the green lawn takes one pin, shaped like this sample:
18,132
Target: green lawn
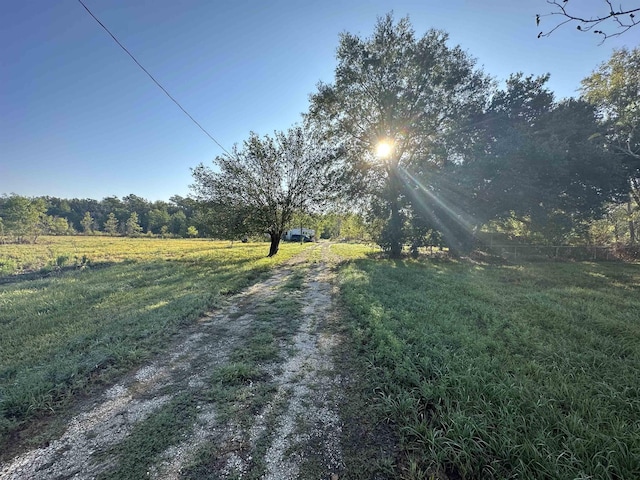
65,329
501,371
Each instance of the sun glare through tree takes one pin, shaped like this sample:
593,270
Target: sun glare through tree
384,149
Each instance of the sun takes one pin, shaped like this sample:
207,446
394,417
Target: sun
384,149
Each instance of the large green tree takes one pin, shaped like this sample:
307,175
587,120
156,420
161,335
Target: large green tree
178,225
266,181
536,160
113,205
158,217
406,94
87,223
78,208
140,207
132,226
614,88
111,224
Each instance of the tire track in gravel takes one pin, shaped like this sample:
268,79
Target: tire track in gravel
299,423
306,429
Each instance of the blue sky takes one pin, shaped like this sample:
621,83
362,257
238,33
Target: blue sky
80,120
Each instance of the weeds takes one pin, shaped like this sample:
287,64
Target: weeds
523,371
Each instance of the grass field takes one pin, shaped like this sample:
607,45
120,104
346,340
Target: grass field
475,370
56,253
500,371
77,311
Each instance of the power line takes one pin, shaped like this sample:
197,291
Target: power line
152,78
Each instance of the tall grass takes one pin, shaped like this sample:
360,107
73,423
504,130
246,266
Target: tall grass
65,330
503,371
51,253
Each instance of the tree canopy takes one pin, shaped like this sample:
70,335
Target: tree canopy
614,89
537,160
258,187
411,92
459,152
24,218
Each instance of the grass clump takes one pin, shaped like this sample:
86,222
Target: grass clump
488,371
242,389
139,452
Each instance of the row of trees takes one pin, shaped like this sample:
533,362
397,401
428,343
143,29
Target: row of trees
417,139
24,219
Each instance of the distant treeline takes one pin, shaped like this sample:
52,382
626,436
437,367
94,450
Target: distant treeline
23,219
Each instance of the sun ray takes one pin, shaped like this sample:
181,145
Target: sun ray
454,223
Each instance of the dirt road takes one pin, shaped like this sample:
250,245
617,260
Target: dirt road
250,391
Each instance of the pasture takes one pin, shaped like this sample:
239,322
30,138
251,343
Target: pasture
500,371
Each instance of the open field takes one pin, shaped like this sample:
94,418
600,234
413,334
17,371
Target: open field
113,303
55,253
501,371
438,369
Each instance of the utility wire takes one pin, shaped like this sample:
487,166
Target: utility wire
151,77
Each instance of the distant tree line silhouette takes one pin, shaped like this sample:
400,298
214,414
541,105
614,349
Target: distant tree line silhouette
24,219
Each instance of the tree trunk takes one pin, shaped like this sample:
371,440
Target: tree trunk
395,221
632,227
395,224
275,243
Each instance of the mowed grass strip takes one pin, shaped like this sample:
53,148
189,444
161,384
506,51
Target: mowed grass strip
72,329
490,371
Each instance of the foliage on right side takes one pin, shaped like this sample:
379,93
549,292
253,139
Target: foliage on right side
500,371
461,154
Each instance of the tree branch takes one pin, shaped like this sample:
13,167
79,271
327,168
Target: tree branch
624,18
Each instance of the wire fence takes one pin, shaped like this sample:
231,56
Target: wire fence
573,252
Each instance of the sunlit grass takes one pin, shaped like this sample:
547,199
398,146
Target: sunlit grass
350,251
65,330
522,371
51,252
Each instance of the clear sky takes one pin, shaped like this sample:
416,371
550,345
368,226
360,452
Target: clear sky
78,118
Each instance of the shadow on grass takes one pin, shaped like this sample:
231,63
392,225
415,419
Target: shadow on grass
71,330
53,272
472,361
